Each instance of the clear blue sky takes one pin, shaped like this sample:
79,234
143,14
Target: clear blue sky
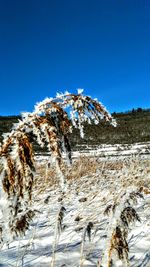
47,46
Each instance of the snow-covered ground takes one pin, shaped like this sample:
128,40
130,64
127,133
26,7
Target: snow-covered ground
117,151
48,243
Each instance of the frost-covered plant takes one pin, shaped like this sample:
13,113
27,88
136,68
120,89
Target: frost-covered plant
58,230
50,124
122,215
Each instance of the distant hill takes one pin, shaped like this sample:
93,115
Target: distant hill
133,126
6,123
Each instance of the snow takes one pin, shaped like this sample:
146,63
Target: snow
117,151
85,201
36,248
80,91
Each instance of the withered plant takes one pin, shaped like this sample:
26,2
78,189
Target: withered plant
50,124
122,214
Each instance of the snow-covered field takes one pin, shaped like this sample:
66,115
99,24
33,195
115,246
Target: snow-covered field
116,151
60,235
119,150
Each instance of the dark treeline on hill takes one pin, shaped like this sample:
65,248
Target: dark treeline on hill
132,126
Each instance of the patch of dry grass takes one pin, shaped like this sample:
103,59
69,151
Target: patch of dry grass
123,172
